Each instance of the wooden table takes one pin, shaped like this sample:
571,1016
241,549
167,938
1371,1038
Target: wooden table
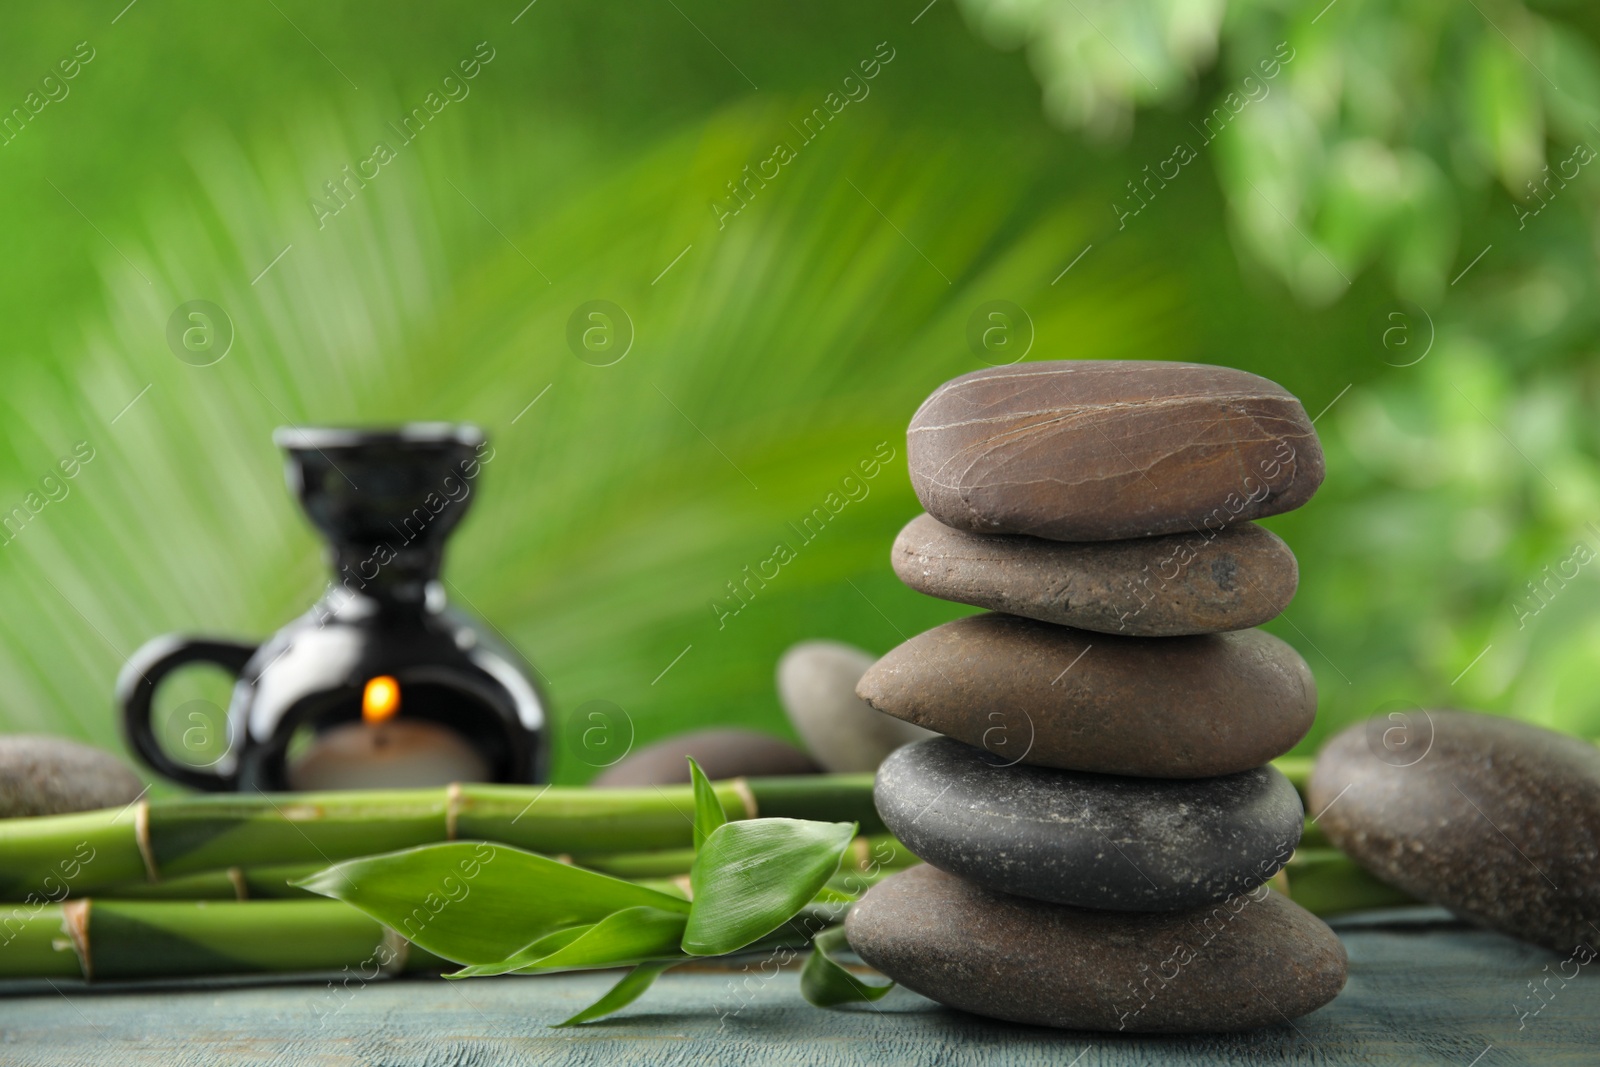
1422,991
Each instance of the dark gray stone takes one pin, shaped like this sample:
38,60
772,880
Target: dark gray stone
1159,707
52,776
1098,450
1495,819
1190,583
1089,840
720,753
1257,960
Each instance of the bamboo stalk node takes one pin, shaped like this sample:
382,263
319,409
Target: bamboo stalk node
454,798
746,797
75,924
241,888
394,949
302,812
141,834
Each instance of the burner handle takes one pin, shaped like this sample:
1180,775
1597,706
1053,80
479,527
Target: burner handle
136,690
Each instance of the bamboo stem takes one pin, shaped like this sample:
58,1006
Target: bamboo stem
1313,836
116,939
235,883
111,940
130,939
868,853
1327,882
1297,769
48,856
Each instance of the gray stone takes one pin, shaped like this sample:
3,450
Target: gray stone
52,776
1161,707
1494,819
817,685
1189,583
1256,960
720,753
1089,840
1095,450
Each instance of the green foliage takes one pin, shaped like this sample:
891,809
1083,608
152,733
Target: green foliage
782,348
631,936
752,876
825,982
1346,134
708,813
478,903
628,989
500,910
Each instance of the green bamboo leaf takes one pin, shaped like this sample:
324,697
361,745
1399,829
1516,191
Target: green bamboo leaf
632,935
473,902
708,810
825,982
546,945
625,992
829,895
752,876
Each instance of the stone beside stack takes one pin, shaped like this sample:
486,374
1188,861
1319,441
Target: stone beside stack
1099,818
1497,820
42,775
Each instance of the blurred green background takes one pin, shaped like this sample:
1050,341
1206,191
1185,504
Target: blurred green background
1389,208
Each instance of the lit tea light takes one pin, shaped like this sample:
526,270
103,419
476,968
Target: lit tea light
382,752
380,699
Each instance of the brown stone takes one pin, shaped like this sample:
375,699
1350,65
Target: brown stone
1189,583
1159,707
720,753
1252,961
52,776
1095,450
1494,819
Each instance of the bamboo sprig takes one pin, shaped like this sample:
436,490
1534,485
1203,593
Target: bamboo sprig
133,939
150,840
871,853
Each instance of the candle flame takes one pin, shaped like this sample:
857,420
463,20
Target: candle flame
381,699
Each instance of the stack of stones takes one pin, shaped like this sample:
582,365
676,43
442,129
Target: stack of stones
1098,819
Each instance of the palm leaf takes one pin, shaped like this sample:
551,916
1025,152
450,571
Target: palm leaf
770,360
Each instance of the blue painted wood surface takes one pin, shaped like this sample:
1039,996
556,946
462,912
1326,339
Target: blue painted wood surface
1420,993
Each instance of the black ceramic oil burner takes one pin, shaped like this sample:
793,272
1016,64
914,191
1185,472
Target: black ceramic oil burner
386,500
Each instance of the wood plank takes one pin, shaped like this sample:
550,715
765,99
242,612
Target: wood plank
1417,995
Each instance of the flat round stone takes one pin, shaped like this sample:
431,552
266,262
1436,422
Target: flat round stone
1089,840
721,754
817,687
1189,583
1494,819
1161,707
52,776
1251,962
1096,450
